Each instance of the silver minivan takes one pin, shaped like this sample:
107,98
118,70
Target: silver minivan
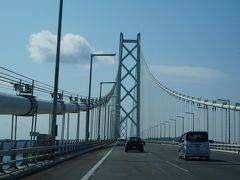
194,144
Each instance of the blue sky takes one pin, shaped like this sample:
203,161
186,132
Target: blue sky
191,46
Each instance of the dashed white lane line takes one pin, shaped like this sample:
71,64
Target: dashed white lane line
90,173
185,170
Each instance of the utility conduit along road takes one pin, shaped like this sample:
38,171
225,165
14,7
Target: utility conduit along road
157,162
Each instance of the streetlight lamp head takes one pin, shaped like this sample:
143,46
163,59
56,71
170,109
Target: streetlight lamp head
189,113
103,54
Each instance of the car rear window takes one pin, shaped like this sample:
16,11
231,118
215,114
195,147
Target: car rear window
121,140
197,136
135,139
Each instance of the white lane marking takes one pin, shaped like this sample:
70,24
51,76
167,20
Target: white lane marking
170,145
90,173
185,170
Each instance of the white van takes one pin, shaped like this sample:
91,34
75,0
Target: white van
194,144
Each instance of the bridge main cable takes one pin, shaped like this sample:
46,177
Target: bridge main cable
201,101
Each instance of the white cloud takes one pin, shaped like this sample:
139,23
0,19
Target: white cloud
188,72
75,49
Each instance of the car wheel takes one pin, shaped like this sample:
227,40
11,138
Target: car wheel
207,158
141,150
126,150
185,157
179,155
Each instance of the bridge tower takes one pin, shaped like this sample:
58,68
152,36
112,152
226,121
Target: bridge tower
129,85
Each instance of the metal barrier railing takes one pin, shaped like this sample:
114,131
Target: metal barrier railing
226,147
162,142
16,155
216,146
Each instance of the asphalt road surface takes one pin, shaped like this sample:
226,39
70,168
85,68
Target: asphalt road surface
157,162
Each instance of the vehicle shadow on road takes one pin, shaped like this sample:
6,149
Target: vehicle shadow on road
213,162
210,160
136,151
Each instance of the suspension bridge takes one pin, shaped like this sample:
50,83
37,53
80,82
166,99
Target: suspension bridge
50,133
138,104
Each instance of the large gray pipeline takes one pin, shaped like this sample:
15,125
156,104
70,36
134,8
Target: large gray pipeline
20,105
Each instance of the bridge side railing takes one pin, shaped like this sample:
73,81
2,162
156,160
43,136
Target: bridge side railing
213,146
15,155
225,147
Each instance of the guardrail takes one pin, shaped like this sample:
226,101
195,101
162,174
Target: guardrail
162,142
215,146
226,147
16,156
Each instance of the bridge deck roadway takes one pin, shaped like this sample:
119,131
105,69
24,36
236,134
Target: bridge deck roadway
157,162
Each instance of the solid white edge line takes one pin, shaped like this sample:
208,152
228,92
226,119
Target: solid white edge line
90,173
185,170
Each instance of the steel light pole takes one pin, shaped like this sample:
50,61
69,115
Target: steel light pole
205,107
54,118
117,112
109,117
182,123
163,129
148,133
160,131
229,114
193,117
89,93
155,132
175,121
169,125
99,114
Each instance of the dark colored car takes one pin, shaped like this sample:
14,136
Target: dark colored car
134,143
